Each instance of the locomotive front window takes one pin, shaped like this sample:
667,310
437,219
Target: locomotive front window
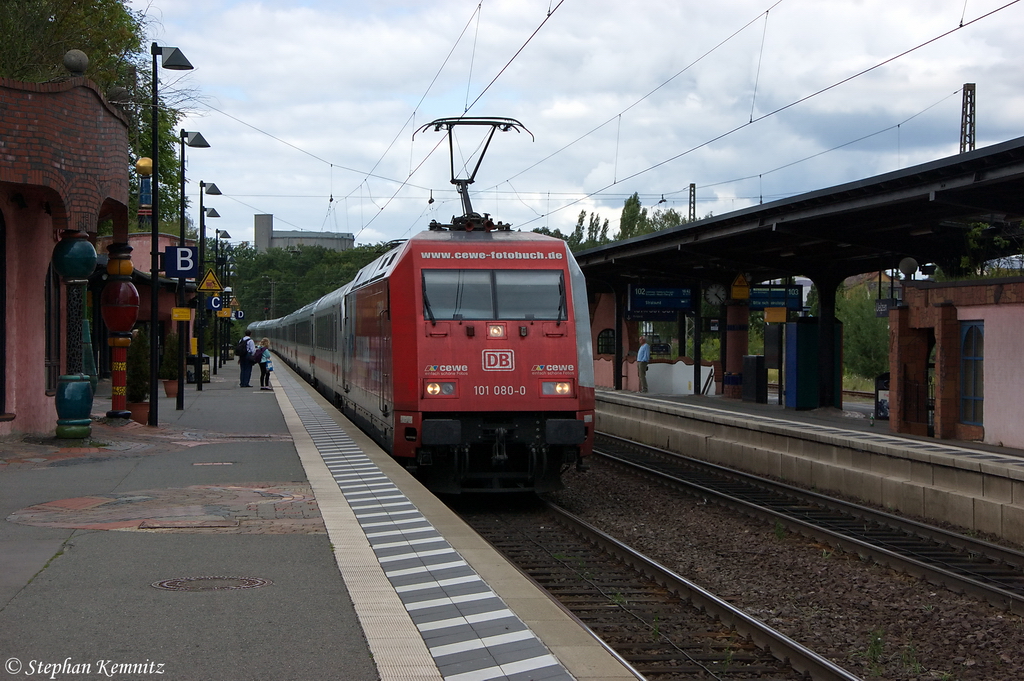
457,294
493,294
529,294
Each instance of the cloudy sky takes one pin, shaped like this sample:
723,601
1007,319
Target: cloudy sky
310,106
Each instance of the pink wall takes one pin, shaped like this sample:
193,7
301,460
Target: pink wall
30,243
141,243
1004,371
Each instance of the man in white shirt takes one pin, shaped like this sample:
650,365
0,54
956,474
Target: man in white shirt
643,358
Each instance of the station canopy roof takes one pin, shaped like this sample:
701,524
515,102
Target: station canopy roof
923,212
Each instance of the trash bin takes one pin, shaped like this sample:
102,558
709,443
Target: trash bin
190,369
755,379
882,397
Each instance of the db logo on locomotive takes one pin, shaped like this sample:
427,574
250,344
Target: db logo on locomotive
499,360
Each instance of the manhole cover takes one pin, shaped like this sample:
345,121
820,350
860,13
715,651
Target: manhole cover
211,583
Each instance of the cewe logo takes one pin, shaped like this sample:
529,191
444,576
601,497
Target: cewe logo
499,360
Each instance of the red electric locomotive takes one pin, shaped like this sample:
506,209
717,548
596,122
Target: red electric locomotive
465,353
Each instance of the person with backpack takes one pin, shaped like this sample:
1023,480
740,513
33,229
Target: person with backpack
245,350
262,357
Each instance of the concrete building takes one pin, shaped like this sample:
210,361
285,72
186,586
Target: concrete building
267,237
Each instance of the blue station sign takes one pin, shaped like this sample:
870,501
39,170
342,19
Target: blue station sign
649,298
789,297
181,262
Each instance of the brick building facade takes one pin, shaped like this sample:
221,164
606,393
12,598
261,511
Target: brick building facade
955,361
64,159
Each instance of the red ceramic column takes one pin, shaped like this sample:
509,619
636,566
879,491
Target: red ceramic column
120,308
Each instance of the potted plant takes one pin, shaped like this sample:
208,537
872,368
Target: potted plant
137,381
169,366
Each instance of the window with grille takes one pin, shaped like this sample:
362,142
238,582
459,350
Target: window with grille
606,342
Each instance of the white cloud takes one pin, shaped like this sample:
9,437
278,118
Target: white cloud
328,91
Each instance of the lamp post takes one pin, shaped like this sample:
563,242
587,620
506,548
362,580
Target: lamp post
192,139
220,234
171,58
201,306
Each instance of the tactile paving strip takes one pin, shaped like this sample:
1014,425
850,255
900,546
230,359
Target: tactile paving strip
469,631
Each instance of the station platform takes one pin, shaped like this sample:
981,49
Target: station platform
257,535
972,485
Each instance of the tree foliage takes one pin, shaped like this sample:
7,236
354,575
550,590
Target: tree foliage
634,220
988,251
36,34
865,336
278,282
593,233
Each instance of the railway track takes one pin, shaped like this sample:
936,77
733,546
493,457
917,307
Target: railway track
959,562
664,626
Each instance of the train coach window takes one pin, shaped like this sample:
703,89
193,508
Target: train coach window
493,294
529,294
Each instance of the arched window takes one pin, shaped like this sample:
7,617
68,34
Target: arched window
606,342
972,372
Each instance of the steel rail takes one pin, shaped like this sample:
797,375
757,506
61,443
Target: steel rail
925,551
781,646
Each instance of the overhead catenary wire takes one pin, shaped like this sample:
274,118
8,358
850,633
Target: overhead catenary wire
824,151
790,105
686,68
518,196
365,174
521,195
472,57
470,106
518,52
760,56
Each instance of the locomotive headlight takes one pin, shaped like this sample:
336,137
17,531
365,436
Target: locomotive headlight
495,330
559,388
440,388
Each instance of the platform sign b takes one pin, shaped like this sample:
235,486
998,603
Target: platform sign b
181,262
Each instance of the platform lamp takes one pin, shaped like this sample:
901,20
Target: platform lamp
191,139
220,234
171,58
204,213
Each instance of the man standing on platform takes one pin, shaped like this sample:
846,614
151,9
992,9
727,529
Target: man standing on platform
245,359
643,357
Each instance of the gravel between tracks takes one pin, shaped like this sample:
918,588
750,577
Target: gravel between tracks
874,621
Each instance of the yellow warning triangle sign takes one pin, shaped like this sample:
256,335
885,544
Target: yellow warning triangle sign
210,282
740,288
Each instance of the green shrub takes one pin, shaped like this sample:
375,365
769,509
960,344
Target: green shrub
169,364
137,388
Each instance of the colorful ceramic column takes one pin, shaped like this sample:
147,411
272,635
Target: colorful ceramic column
74,259
119,306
